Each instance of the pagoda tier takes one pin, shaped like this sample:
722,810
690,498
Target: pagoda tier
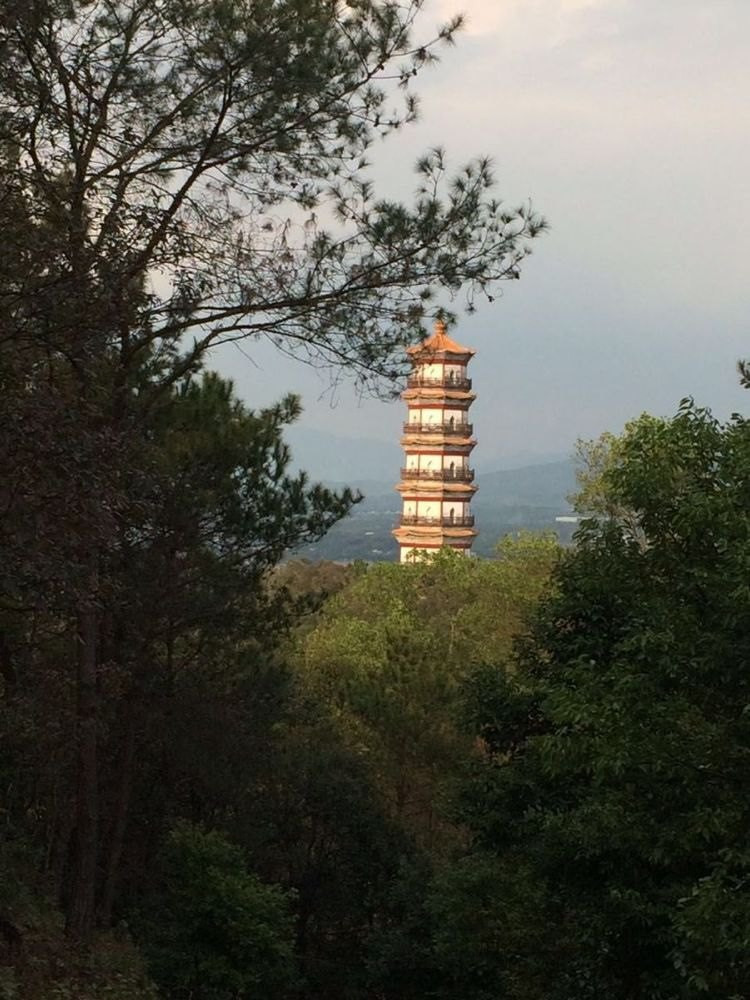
437,483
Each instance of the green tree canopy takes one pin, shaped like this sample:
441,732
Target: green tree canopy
390,651
597,464
612,791
212,928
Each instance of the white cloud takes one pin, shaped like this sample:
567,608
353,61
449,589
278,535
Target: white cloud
576,5
560,18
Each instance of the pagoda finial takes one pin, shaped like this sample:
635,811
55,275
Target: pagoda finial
439,343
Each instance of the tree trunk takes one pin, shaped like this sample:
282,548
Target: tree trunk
81,901
7,667
119,824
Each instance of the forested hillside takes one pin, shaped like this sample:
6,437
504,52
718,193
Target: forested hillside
230,774
511,777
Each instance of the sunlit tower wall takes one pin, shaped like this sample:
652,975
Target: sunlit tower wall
437,483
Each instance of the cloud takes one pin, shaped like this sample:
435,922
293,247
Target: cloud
568,6
560,18
623,121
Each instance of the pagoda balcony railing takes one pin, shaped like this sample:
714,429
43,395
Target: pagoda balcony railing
420,382
441,522
441,475
459,429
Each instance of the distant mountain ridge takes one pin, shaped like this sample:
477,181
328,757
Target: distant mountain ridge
509,500
338,458
541,485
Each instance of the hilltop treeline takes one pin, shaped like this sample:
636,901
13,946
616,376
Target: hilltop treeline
515,777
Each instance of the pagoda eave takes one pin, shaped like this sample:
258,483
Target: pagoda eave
432,394
434,489
427,438
421,354
433,537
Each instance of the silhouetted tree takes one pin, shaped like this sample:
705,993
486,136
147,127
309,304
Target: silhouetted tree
175,175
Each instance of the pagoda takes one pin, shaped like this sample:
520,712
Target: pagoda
437,484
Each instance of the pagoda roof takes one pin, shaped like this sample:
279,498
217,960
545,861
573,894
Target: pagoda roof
439,343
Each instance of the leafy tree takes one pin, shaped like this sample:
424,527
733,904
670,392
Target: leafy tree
326,835
213,929
488,944
611,790
390,651
596,463
297,801
312,580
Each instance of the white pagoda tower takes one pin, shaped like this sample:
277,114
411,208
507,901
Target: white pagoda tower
437,484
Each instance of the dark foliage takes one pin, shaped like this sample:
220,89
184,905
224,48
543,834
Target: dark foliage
609,814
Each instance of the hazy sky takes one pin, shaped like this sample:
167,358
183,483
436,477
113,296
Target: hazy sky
627,122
